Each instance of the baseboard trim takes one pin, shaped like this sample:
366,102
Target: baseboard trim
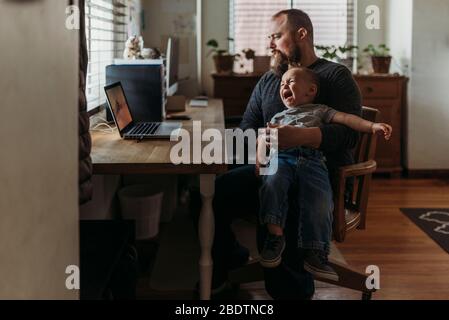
428,174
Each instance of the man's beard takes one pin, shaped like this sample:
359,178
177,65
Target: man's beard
282,61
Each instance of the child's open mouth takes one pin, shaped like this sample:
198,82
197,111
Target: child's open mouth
287,95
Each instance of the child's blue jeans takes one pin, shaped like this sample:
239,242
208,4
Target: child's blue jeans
306,168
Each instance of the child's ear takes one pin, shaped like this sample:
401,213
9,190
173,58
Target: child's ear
313,90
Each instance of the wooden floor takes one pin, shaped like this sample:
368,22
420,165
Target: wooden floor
412,265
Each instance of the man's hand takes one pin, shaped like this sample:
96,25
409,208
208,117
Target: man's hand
383,127
291,136
262,146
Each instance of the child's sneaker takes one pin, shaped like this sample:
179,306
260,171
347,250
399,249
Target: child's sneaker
271,255
316,263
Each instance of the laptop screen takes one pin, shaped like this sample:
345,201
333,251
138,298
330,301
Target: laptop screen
119,106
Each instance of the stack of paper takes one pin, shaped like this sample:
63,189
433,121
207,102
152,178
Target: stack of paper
200,102
138,62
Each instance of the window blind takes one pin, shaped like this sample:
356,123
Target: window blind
333,21
106,33
250,23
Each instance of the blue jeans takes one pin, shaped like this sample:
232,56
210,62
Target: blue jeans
305,169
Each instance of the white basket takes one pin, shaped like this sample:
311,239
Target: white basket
142,203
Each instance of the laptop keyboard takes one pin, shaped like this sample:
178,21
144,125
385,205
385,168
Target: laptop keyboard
144,129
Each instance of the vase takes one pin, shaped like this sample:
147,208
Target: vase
224,64
381,64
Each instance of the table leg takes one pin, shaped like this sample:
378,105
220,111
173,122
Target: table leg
206,234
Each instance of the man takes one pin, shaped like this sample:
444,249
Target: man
236,194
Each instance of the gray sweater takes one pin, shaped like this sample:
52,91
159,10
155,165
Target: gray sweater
306,116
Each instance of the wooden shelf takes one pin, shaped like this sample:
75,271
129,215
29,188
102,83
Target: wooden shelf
387,93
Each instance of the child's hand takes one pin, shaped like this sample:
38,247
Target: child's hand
383,127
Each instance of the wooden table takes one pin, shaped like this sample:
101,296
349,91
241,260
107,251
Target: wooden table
112,155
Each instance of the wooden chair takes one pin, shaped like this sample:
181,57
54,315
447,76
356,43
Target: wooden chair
348,216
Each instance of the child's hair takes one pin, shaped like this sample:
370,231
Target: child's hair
310,76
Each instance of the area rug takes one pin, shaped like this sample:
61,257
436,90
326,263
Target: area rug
434,222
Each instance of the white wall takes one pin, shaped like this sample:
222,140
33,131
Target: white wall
367,36
428,114
134,11
215,25
418,35
399,19
164,18
39,150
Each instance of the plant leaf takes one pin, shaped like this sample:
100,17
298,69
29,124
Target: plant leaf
212,43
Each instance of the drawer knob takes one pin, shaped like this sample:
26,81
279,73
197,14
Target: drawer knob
369,89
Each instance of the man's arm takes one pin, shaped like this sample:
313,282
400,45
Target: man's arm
291,136
253,117
345,97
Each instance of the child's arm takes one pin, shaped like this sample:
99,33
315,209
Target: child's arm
362,125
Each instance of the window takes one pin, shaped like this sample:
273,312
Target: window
106,32
333,21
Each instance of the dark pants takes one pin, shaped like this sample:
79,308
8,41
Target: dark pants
237,195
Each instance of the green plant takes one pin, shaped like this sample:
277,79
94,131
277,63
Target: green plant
214,48
332,52
380,51
347,49
329,52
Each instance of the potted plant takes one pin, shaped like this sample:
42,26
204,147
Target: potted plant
328,52
380,57
340,54
348,53
224,61
246,60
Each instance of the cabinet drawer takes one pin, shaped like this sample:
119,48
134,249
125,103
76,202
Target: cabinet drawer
235,107
228,88
379,89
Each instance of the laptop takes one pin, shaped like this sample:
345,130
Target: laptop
128,128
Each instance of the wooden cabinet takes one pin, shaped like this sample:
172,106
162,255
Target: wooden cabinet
387,93
235,90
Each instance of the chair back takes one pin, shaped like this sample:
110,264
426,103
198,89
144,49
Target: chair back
351,215
366,147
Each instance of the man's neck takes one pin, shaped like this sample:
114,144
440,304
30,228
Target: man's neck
308,58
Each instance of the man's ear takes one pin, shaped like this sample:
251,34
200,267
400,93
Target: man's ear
302,33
